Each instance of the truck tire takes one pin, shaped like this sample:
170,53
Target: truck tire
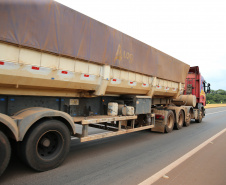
180,122
5,152
169,122
46,145
187,120
200,116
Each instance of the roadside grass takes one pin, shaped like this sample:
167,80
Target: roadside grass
214,105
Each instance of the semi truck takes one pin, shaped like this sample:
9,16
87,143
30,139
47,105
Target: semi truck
61,70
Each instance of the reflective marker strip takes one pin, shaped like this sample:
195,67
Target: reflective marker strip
131,83
88,77
145,85
115,81
64,72
35,68
166,88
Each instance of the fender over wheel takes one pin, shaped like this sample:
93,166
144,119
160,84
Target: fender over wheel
46,145
5,152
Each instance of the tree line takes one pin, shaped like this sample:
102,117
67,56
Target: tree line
216,96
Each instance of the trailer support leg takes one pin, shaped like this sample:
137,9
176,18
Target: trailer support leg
85,130
105,126
119,125
132,123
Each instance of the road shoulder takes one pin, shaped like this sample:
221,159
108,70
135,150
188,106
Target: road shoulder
207,166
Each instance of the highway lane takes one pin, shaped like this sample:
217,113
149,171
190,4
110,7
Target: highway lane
125,159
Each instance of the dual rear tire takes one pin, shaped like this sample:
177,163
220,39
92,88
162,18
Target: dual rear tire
200,116
5,152
180,121
187,120
46,145
169,121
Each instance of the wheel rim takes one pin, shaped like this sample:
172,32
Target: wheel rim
50,144
170,121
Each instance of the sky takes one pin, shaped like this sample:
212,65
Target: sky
193,31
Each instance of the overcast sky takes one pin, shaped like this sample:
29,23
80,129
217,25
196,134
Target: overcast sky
193,31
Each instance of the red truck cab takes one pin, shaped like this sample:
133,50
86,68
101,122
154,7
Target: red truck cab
196,85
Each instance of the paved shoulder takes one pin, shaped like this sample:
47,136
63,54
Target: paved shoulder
208,166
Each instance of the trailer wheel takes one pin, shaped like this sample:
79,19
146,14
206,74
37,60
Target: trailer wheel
187,119
200,116
5,152
180,122
169,122
46,145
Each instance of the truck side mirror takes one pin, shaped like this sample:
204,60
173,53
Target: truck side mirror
208,88
204,86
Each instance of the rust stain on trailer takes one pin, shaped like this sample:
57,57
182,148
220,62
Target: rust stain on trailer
52,27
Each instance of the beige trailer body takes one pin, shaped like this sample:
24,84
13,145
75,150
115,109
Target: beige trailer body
52,57
25,71
52,27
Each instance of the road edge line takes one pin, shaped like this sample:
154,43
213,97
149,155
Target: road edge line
215,112
176,163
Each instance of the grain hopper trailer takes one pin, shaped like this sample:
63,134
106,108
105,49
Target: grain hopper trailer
60,70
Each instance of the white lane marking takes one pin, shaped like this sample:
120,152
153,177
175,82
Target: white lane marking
216,112
174,164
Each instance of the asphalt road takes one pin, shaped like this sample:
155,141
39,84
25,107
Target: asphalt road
126,159
205,167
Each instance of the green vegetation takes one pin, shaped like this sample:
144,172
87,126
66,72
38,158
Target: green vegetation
218,96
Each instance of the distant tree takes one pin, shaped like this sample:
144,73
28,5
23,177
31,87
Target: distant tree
212,91
221,91
216,96
211,102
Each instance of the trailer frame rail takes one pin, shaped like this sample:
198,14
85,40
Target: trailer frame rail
102,122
